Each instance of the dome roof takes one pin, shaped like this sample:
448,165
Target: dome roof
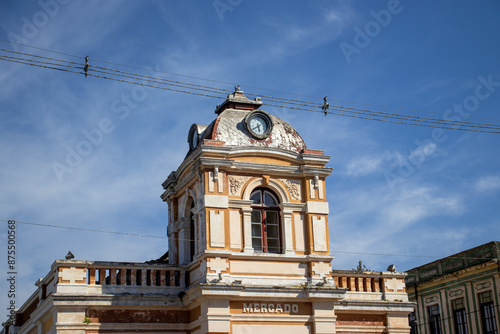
231,126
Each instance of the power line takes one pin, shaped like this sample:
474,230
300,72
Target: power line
230,83
387,120
37,65
193,88
37,56
333,252
415,117
88,230
145,69
338,108
161,81
42,49
26,61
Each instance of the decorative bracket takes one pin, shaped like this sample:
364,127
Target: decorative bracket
316,181
216,173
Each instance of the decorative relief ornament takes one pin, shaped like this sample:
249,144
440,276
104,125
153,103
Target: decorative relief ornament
431,299
457,292
293,187
236,182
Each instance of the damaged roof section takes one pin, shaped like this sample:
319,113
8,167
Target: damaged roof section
232,129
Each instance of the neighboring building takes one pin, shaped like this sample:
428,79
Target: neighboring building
249,250
458,294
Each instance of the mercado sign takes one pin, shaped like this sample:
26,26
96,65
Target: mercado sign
270,307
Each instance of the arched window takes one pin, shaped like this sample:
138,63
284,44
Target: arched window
266,227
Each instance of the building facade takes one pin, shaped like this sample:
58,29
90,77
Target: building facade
249,250
458,294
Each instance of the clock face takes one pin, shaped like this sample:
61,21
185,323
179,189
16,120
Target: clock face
258,125
194,139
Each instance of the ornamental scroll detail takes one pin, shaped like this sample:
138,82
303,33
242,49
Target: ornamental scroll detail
293,187
236,182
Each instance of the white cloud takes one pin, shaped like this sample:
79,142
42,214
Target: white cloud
364,166
487,183
413,205
375,220
422,151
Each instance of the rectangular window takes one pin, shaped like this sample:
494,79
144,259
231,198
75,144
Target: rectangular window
487,308
257,230
272,231
459,316
434,319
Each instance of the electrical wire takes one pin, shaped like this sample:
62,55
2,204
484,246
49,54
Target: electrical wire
225,82
37,56
338,108
409,117
146,85
8,58
158,81
388,120
333,252
117,75
37,65
87,229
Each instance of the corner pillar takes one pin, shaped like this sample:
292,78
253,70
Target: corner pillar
216,316
397,323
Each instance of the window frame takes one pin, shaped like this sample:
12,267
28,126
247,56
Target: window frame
264,211
459,316
487,311
435,326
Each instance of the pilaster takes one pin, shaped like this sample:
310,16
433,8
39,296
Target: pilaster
286,218
247,229
324,317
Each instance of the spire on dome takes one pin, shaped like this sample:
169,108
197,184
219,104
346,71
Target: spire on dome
238,101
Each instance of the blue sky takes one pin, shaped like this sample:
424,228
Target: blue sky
413,192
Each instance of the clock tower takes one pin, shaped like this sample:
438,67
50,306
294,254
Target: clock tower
248,215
